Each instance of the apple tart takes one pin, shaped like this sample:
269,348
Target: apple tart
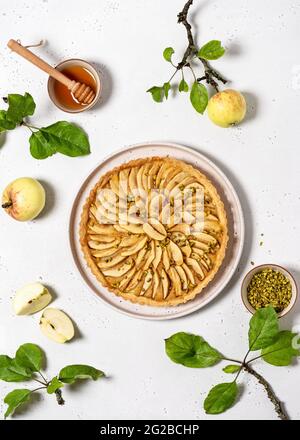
154,231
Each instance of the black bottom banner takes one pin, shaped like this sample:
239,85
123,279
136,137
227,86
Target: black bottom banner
93,429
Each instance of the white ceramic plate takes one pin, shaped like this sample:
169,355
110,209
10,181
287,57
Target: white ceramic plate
235,225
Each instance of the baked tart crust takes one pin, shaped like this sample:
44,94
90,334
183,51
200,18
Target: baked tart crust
154,257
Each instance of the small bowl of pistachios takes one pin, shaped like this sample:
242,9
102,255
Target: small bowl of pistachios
269,285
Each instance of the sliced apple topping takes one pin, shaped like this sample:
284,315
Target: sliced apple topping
140,257
165,283
119,270
212,226
101,238
161,173
166,259
142,178
197,252
132,181
166,215
123,180
189,274
186,250
106,217
204,264
181,227
107,253
145,177
125,218
175,278
205,238
179,238
196,267
127,278
194,186
199,245
114,185
129,241
152,175
134,281
135,248
106,262
120,229
158,255
175,253
177,179
183,277
102,246
156,283
106,230
147,281
133,229
168,175
154,229
150,256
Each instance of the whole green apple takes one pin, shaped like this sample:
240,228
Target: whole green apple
227,108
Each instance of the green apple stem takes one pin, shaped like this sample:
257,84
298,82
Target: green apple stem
7,205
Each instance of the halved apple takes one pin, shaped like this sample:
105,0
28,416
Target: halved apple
56,325
31,299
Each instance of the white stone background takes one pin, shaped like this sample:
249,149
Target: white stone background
261,157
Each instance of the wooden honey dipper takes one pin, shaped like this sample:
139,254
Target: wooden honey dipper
81,92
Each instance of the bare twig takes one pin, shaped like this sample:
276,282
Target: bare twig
59,397
271,395
210,75
191,49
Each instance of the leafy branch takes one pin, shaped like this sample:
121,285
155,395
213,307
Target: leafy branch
209,51
276,348
27,365
61,137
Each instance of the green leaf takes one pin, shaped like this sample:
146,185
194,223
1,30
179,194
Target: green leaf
281,353
40,145
73,372
54,385
19,107
20,369
30,356
220,398
157,93
191,351
199,97
5,124
211,50
183,86
16,398
10,371
263,329
166,87
167,54
231,369
61,137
